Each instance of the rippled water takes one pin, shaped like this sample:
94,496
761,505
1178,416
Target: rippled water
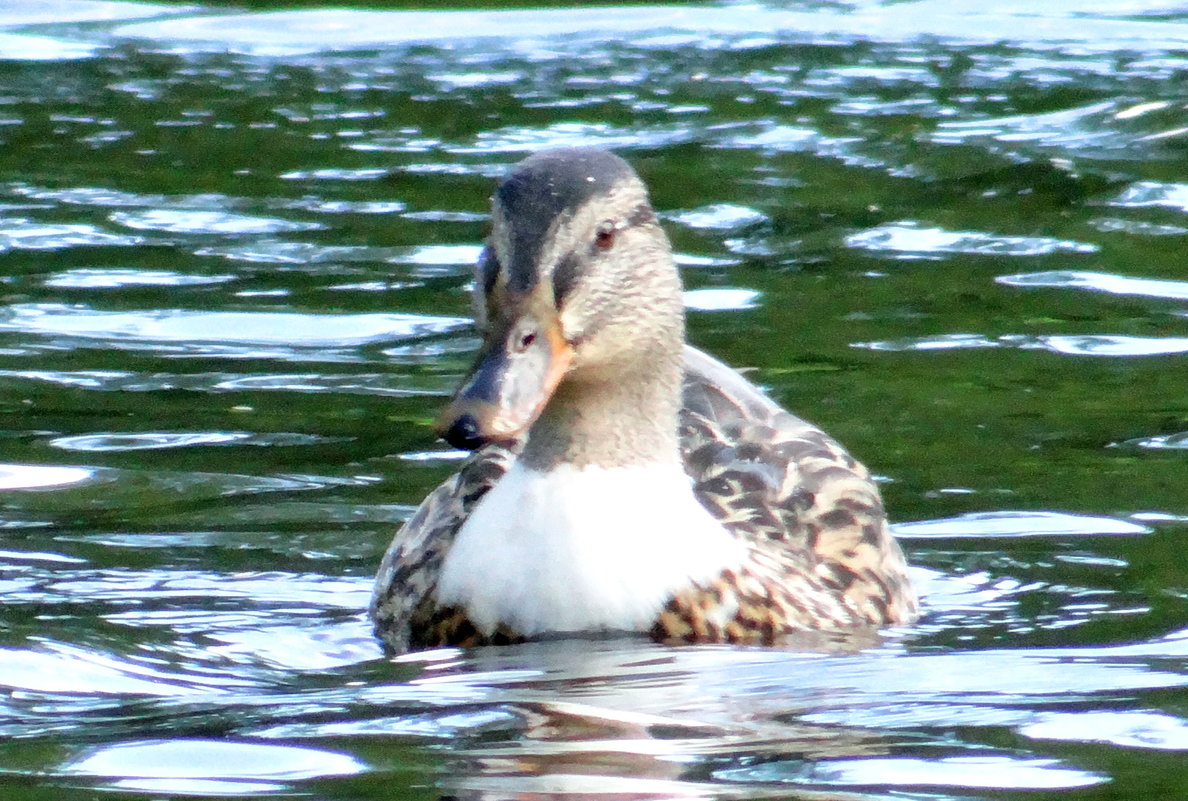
233,257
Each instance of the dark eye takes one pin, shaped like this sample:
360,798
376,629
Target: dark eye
604,237
525,340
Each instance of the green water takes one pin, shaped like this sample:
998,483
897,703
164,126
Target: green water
234,250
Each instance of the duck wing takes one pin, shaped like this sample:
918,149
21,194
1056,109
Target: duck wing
807,508
401,605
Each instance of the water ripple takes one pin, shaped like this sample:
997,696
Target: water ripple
1137,227
201,767
1018,524
162,440
1000,772
27,476
521,140
275,251
190,221
118,278
1163,442
721,299
1100,282
1084,129
719,217
166,616
57,668
1152,193
1138,729
40,12
394,385
24,234
245,328
1104,345
26,47
291,33
912,238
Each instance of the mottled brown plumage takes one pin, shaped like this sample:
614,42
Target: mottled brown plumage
817,553
821,553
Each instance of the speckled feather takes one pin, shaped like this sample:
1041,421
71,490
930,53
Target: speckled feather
819,552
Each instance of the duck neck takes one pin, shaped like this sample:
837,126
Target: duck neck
625,416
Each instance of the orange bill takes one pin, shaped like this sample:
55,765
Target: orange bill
518,367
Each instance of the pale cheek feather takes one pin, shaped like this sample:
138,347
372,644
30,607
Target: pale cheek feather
578,549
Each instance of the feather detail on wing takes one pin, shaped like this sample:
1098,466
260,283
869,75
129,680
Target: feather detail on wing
821,553
402,608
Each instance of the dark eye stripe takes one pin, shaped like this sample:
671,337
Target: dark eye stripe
640,215
564,277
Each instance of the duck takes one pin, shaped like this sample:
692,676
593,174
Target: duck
621,481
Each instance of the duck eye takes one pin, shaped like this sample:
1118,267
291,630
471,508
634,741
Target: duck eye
604,237
525,341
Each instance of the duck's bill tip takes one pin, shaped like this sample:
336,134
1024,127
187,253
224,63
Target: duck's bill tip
504,394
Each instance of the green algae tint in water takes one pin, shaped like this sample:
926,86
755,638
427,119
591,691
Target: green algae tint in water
234,250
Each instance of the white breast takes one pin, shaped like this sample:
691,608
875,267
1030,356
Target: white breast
582,549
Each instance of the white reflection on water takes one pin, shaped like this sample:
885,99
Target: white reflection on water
1100,282
260,328
1103,345
997,772
1162,442
337,174
519,141
162,440
937,342
197,766
603,715
28,476
1154,193
193,221
579,716
1137,729
1107,345
279,252
61,668
22,234
1137,227
438,255
117,278
35,12
911,238
719,217
721,299
1018,524
389,384
1083,127
25,47
290,33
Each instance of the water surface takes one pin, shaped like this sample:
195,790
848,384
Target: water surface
234,250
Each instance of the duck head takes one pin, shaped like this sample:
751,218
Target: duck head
575,284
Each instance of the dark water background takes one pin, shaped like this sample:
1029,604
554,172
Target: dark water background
233,258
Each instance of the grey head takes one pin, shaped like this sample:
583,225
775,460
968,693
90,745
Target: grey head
576,284
544,189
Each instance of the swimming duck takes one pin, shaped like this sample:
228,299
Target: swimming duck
621,480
